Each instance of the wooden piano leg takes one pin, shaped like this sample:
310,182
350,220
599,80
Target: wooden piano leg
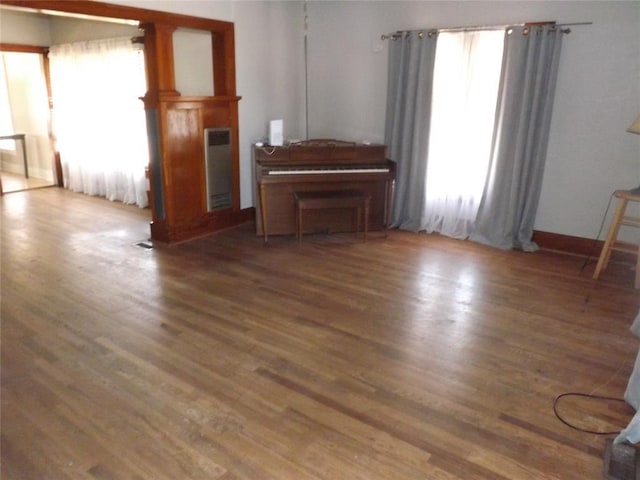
367,201
263,212
298,221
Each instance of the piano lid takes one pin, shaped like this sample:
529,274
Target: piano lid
322,142
321,151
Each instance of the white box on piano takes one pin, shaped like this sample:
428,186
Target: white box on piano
276,136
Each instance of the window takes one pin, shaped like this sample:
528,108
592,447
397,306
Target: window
465,88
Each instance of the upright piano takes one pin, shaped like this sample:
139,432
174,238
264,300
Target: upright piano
320,165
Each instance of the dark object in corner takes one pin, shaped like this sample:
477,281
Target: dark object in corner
621,461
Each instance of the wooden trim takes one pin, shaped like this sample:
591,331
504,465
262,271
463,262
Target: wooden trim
143,15
540,24
57,163
13,47
585,247
191,101
567,243
173,235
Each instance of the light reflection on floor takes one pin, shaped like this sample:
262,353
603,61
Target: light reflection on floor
455,323
12,182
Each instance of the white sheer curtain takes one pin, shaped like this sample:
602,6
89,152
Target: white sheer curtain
465,87
99,120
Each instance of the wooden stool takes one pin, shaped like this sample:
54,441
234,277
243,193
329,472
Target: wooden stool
611,242
356,199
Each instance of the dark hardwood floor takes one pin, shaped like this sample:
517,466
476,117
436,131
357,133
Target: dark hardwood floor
405,357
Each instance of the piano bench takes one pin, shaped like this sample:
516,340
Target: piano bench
319,200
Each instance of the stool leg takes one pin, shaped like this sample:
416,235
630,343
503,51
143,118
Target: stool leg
298,222
263,211
611,238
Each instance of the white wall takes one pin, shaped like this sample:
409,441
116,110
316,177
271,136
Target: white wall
70,30
24,29
193,47
598,93
270,76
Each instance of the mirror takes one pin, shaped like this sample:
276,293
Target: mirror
26,152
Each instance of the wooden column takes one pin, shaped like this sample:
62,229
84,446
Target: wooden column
158,47
175,126
161,83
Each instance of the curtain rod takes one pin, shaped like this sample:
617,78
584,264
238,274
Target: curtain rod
433,31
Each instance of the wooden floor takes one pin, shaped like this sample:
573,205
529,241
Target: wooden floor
405,357
11,182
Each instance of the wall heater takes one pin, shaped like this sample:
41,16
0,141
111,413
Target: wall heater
218,167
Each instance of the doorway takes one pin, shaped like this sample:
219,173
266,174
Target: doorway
26,150
99,120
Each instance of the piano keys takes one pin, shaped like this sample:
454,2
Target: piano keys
320,165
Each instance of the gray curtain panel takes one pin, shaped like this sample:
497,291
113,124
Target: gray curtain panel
631,433
523,115
411,61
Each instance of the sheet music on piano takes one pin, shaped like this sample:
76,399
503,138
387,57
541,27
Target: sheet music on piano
319,164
